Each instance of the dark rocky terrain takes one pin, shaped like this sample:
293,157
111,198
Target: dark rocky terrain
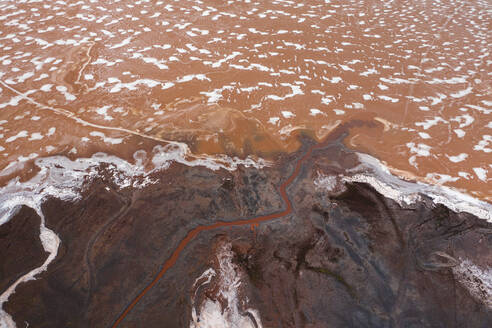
350,258
20,247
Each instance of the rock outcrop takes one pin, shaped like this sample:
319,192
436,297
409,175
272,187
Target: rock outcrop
344,256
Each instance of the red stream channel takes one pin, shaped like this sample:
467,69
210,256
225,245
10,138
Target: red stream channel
193,233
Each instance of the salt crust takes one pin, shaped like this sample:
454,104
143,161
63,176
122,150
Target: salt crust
211,314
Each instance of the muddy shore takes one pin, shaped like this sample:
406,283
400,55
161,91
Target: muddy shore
345,255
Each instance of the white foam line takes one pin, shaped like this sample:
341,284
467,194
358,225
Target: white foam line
477,280
214,162
178,152
374,173
92,43
122,43
49,240
72,116
51,180
63,178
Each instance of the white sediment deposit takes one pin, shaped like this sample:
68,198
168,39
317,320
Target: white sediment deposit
62,178
211,313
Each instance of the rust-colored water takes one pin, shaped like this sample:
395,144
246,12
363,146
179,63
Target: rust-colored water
169,263
241,77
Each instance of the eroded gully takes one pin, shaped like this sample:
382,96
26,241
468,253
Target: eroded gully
282,189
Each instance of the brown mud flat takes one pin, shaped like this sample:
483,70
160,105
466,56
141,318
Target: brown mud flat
320,258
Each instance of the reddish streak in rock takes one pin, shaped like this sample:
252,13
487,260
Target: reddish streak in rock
193,233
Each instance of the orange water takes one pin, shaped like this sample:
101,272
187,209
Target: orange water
244,77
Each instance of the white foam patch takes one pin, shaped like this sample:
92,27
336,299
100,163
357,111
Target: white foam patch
440,178
21,134
484,143
211,314
296,90
219,63
159,63
481,173
315,111
390,99
122,43
431,122
424,135
462,93
35,136
190,77
420,150
131,85
458,158
104,112
63,90
287,114
463,120
112,141
459,132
